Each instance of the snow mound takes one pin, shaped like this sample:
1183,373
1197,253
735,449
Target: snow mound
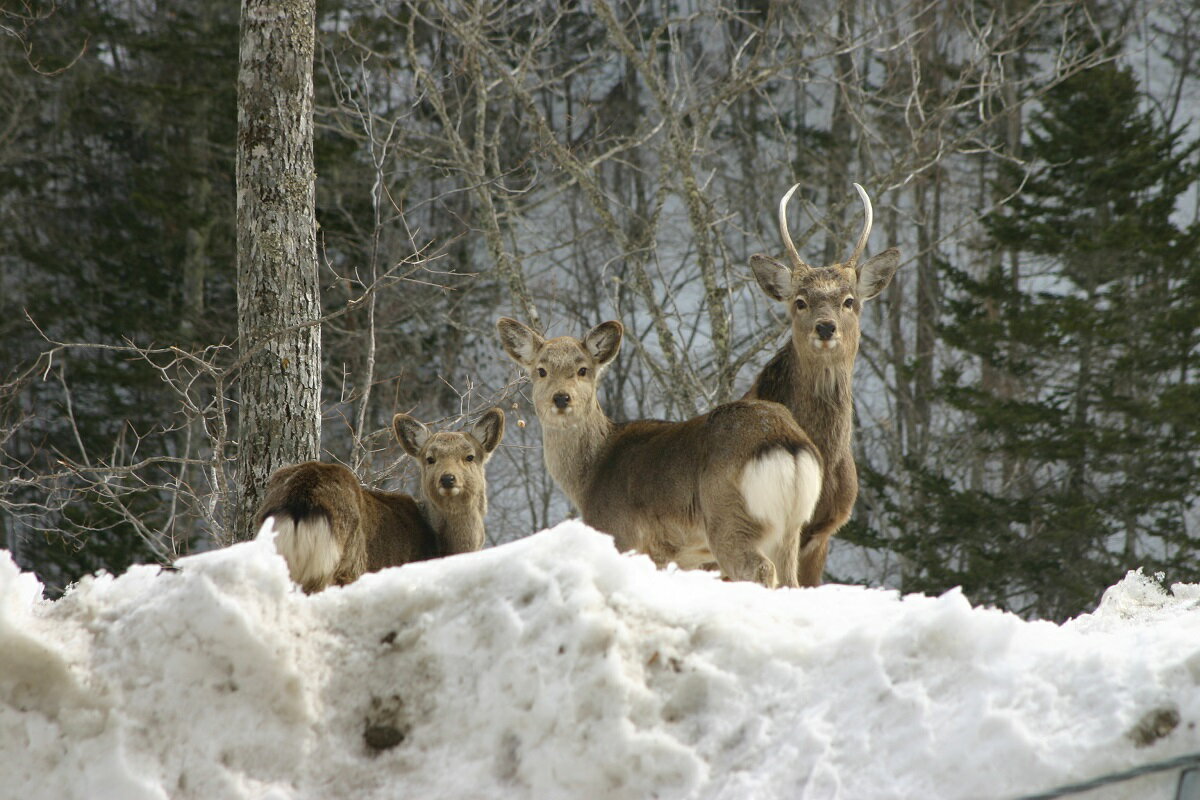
555,667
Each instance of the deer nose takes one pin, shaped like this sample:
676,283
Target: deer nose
562,400
826,329
447,481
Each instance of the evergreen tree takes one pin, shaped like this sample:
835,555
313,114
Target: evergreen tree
116,198
1092,431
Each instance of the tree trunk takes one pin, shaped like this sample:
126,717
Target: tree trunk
841,147
278,295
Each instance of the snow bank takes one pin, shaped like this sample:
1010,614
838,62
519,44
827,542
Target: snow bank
554,667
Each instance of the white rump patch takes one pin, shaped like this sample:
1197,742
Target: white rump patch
767,485
781,490
311,552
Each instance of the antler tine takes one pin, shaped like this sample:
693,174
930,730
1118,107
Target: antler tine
866,232
797,261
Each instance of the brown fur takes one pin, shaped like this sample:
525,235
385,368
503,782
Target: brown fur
672,490
331,529
814,378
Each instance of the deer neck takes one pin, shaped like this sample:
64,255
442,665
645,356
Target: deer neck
819,393
571,452
459,524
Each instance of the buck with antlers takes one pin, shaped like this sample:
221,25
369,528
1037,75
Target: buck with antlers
812,374
331,529
730,488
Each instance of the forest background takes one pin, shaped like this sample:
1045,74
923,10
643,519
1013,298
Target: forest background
1028,415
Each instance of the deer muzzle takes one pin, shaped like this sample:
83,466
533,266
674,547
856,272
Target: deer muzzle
825,335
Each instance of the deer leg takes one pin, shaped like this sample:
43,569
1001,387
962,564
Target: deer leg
621,528
787,560
814,547
831,514
746,563
733,537
812,554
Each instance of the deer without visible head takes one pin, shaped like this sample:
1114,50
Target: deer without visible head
813,373
730,488
331,529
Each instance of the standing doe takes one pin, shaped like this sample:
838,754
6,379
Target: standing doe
331,529
812,374
729,488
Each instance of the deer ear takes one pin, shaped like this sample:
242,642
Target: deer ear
875,275
489,430
411,434
603,342
518,340
774,278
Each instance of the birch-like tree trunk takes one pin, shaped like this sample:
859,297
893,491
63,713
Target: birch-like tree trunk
278,294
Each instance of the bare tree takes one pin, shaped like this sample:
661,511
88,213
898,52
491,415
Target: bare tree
278,296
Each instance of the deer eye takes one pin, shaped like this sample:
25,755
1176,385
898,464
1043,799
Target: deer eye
541,372
849,302
800,304
429,460
471,457
583,372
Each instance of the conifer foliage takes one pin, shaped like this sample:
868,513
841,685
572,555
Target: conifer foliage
1084,351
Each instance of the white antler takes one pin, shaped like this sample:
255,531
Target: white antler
797,261
866,231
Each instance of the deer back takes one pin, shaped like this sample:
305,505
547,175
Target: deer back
395,532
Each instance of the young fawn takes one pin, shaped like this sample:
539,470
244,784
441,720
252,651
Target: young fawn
812,374
331,529
729,488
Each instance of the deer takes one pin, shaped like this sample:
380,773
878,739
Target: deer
330,529
729,489
812,374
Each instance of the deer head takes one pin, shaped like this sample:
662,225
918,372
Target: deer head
825,303
451,462
564,370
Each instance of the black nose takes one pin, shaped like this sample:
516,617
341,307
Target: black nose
825,330
447,481
562,400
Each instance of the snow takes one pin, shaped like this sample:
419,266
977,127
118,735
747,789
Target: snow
553,667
